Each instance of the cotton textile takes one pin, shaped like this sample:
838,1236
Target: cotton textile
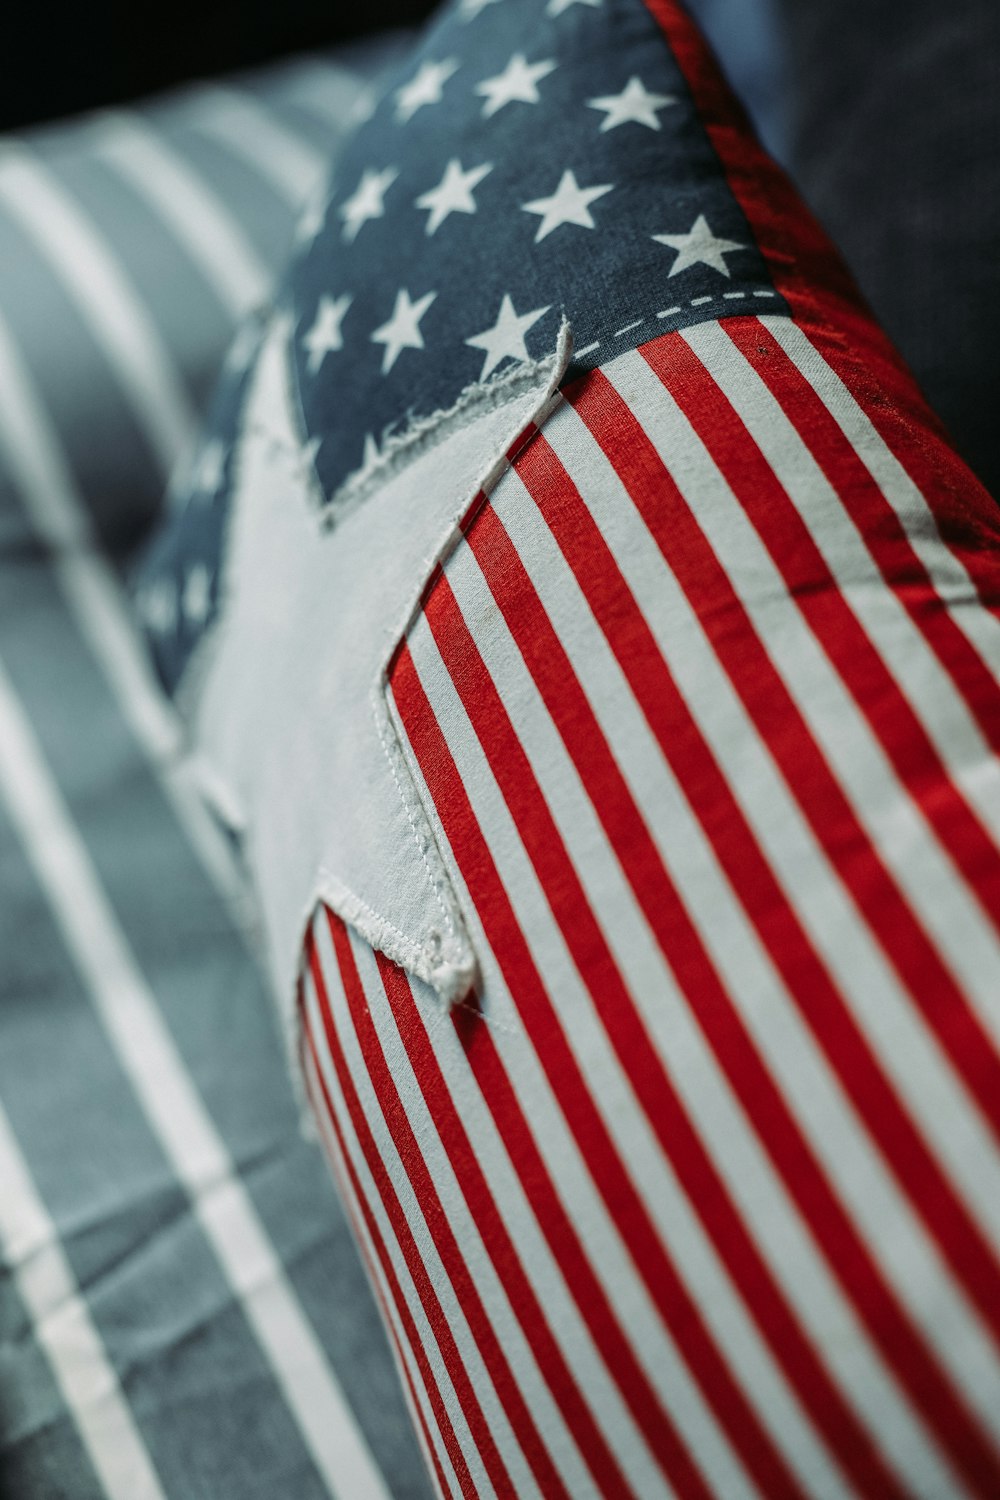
182,1313
528,164
133,241
619,773
696,1193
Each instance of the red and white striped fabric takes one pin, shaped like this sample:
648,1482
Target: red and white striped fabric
698,1195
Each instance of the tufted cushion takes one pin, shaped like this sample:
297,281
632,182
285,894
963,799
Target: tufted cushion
604,672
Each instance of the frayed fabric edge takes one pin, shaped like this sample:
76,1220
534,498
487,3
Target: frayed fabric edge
445,963
549,397
424,433
444,960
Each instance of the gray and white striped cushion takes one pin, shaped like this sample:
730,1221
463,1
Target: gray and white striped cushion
182,1314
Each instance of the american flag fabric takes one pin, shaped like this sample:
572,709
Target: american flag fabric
529,162
532,162
692,718
696,1194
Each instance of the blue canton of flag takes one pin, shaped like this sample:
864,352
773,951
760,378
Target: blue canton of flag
177,585
534,160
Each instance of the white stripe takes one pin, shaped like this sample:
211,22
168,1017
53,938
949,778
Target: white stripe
901,1038
688,1245
97,602
438,1367
821,1307
290,166
413,1213
149,1058
414,1392
908,1257
62,1326
945,569
971,1161
94,279
193,214
594,1379
922,874
917,672
476,1258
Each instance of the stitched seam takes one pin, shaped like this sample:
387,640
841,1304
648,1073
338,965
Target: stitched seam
379,698
398,633
407,801
422,434
324,873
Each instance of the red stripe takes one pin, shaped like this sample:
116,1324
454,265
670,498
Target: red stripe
804,266
311,1072
468,1172
436,1318
439,1227
590,1294
771,706
966,514
823,1007
812,278
630,638
625,1030
430,1386
818,596
883,531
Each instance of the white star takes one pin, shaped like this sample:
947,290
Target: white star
567,205
159,606
424,87
197,596
210,468
699,247
324,337
556,7
453,193
371,454
367,200
634,103
517,82
402,330
471,8
505,340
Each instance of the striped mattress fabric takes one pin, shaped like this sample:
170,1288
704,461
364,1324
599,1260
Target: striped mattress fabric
696,1192
182,1312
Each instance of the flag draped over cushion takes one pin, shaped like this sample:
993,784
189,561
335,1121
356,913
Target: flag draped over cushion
608,684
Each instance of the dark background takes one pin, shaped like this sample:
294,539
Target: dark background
56,59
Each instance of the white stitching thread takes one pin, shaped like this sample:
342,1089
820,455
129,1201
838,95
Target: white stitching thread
422,434
407,801
324,874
